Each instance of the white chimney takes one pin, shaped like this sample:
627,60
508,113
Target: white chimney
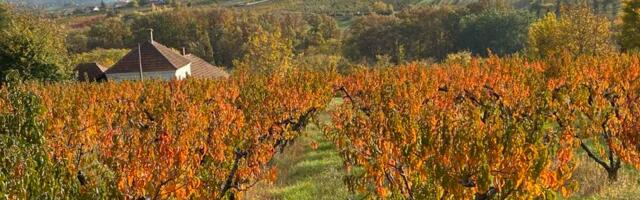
151,31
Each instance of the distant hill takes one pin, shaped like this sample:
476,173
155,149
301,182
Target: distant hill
56,3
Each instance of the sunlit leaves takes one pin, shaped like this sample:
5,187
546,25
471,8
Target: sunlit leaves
180,139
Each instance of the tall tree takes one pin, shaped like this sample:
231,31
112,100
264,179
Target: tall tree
267,53
31,48
502,32
578,32
630,28
110,33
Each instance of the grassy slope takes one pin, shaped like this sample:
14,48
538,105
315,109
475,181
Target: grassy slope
305,173
317,174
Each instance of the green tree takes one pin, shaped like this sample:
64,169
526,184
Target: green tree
630,28
577,32
371,36
134,3
110,33
32,49
104,57
3,15
77,41
501,32
414,34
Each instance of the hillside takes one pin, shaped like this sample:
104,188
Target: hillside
57,3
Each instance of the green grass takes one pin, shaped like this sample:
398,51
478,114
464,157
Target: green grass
305,173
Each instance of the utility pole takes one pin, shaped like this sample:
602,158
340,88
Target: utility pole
140,61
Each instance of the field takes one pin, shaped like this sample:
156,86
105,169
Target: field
324,99
308,144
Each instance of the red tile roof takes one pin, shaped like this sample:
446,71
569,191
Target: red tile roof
155,57
202,69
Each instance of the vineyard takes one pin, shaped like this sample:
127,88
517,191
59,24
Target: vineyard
179,140
495,128
485,128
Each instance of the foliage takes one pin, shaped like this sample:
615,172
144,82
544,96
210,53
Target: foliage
175,29
577,32
452,132
598,97
267,53
372,35
203,139
500,32
28,172
494,128
434,32
630,28
109,33
77,42
382,8
4,16
218,35
32,48
104,57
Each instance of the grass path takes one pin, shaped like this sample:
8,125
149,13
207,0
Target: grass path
305,173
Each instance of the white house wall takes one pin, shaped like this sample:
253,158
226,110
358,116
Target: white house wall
183,72
162,75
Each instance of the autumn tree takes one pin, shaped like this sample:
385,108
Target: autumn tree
267,53
190,139
382,8
577,32
597,97
322,29
476,131
629,37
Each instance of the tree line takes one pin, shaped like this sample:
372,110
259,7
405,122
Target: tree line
218,35
222,36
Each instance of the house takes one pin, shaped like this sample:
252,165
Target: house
89,72
121,3
152,60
